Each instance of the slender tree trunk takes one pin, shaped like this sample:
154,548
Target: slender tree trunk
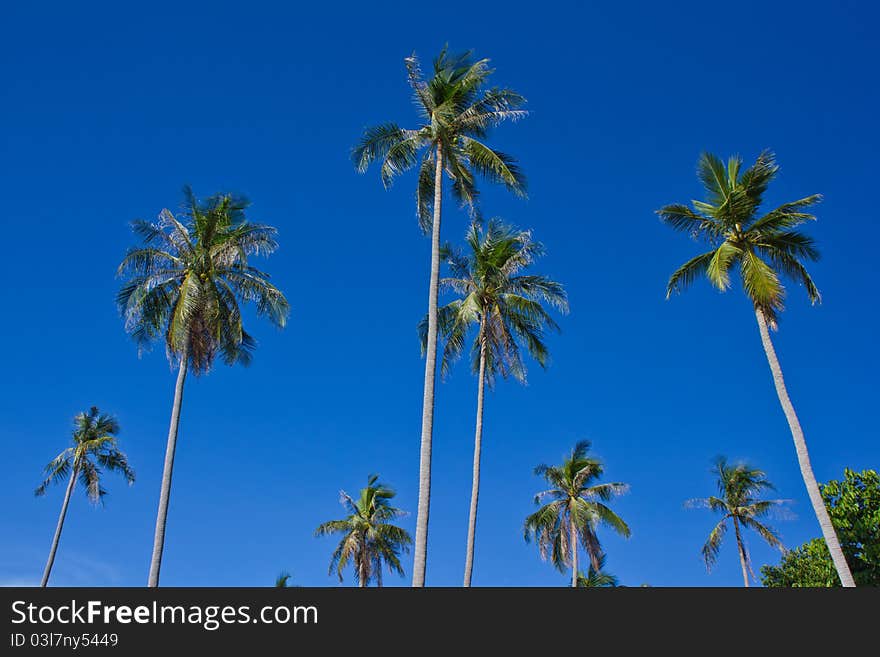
362,573
165,494
420,557
573,537
800,446
70,484
743,560
475,485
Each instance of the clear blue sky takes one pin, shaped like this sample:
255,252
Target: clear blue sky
107,112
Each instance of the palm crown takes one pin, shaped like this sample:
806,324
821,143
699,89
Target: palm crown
495,296
283,580
760,246
457,113
94,449
188,279
596,577
573,502
369,540
739,486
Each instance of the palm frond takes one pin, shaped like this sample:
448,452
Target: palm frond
494,165
786,216
493,296
375,144
493,108
573,498
712,546
738,485
713,174
682,218
688,272
790,243
368,539
190,288
94,449
464,188
718,268
56,470
764,246
607,517
790,266
762,285
456,109
766,532
90,479
425,193
755,180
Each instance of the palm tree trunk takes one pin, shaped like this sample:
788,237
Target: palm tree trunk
572,534
165,494
743,561
362,575
420,557
475,485
61,516
800,446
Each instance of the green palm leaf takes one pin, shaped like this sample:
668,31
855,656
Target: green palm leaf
189,290
457,112
368,539
94,449
738,486
761,248
573,499
503,307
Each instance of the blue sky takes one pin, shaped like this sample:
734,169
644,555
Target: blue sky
108,111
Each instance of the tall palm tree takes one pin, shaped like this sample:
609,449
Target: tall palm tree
94,449
596,577
738,489
763,247
369,540
505,307
457,112
185,284
573,508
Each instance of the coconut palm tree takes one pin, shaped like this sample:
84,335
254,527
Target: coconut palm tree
185,284
94,450
738,488
457,112
763,248
596,577
571,510
369,540
504,305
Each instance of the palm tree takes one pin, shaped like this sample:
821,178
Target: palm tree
457,112
94,449
738,488
283,580
597,577
505,307
573,510
186,284
368,538
763,247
